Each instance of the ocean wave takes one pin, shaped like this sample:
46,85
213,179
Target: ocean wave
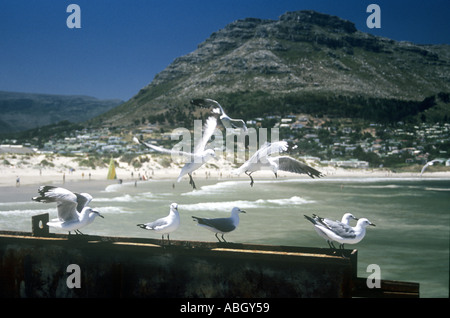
216,188
117,186
52,211
244,204
112,210
15,203
27,212
127,198
437,189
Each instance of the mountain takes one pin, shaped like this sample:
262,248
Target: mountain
22,111
303,62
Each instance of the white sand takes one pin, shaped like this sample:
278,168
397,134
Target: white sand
30,171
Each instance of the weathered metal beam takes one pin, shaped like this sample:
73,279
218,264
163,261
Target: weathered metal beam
388,289
35,265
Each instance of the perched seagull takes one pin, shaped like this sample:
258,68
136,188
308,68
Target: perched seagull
200,155
165,225
340,232
217,110
261,159
345,221
221,225
430,163
73,212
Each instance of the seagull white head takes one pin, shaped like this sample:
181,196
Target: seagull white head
174,206
363,222
349,216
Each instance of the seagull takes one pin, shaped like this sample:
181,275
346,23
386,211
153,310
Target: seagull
345,221
200,155
261,159
430,163
221,225
73,210
217,110
164,225
340,232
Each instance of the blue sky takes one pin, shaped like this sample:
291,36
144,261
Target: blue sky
122,45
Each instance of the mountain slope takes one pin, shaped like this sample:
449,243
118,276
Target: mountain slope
303,62
22,111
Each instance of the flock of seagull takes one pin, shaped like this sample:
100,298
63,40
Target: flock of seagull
260,160
74,212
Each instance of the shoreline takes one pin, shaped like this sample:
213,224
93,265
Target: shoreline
65,171
30,181
8,176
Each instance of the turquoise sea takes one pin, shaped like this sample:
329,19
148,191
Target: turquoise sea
409,243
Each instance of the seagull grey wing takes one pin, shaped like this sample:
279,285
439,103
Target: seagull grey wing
341,229
287,163
66,201
83,200
156,224
221,224
238,123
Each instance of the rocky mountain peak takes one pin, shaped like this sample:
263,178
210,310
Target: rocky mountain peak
303,59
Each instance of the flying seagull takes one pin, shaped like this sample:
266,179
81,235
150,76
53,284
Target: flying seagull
340,232
196,159
164,225
430,163
73,210
221,225
345,221
217,110
262,159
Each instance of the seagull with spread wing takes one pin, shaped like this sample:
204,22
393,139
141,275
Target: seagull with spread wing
217,110
430,163
262,160
73,210
197,158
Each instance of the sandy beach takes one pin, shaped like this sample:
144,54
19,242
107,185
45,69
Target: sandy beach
22,175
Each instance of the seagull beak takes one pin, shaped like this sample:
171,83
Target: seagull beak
98,213
242,211
372,224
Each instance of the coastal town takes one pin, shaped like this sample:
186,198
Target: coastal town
326,142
